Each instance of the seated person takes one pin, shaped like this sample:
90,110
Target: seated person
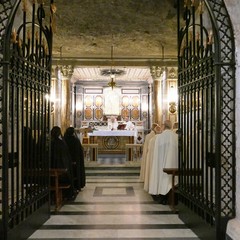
61,158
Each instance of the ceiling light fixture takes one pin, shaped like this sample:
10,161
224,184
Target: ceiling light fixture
112,72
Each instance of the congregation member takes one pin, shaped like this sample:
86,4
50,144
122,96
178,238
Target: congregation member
165,155
61,159
149,157
145,150
77,157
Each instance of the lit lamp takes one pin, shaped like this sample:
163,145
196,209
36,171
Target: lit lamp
112,83
172,99
144,109
51,98
79,109
112,72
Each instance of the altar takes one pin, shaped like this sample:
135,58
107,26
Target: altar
112,141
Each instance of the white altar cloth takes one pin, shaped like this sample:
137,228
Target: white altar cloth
112,133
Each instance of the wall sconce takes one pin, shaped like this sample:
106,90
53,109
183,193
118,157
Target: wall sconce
78,109
172,98
144,109
172,107
52,99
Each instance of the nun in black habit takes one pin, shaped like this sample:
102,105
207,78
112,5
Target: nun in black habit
61,158
77,156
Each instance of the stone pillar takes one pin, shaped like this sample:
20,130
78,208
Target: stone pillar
55,97
66,110
156,72
61,87
150,106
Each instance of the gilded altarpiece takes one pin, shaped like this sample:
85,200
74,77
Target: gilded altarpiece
130,106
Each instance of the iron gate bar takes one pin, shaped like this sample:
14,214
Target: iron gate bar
207,93
26,78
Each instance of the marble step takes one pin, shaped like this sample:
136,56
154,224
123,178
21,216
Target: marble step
112,171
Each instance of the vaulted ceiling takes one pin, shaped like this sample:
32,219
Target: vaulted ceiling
132,35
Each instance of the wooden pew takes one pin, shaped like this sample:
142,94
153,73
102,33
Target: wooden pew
174,172
57,187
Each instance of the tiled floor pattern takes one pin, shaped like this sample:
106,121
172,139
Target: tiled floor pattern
114,207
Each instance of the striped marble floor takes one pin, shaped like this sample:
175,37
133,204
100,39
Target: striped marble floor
113,207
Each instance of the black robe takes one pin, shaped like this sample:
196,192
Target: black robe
60,158
77,156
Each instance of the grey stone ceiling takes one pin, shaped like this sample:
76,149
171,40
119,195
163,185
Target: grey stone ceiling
139,31
136,28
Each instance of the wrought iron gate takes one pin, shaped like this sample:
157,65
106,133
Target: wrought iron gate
25,67
206,116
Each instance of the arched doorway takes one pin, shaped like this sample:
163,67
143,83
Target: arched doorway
207,151
206,84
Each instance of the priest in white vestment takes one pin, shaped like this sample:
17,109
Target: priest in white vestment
165,156
112,123
149,157
129,124
145,150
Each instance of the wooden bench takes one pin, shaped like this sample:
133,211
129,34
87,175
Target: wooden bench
57,187
133,151
174,172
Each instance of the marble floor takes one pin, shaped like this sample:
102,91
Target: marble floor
113,205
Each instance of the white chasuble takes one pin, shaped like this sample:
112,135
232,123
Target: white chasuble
144,154
165,156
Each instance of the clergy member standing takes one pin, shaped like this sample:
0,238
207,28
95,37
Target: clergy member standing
129,124
149,158
112,123
165,156
145,150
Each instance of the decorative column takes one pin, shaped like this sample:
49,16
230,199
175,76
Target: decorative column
66,109
61,97
150,105
55,97
156,73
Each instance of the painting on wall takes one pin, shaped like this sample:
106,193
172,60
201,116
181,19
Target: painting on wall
135,114
99,101
135,101
125,113
88,101
98,113
88,113
125,101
